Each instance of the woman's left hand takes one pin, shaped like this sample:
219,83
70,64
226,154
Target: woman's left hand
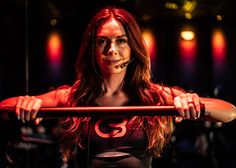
188,106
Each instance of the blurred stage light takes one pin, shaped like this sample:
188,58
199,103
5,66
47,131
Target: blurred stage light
218,45
187,50
54,49
187,35
151,45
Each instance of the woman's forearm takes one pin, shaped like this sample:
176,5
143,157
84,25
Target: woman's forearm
10,102
218,110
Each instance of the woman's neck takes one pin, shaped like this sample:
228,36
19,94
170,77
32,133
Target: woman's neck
113,84
113,94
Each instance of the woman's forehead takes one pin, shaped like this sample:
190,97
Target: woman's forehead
111,27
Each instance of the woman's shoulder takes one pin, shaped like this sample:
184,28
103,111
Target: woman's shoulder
64,88
168,90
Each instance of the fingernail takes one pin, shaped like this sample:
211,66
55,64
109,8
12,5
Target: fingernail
18,117
37,121
23,121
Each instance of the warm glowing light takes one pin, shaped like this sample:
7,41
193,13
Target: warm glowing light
146,17
187,35
188,52
53,22
189,6
218,45
188,16
219,17
187,49
54,49
171,5
151,45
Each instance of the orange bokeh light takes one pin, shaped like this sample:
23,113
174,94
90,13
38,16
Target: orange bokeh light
150,43
54,49
218,44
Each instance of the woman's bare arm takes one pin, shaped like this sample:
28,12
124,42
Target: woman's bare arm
27,107
218,110
188,106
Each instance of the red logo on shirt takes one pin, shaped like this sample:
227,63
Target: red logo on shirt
116,129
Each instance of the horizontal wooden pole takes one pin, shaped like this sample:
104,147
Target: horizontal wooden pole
57,112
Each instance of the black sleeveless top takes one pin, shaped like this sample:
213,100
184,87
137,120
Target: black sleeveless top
114,142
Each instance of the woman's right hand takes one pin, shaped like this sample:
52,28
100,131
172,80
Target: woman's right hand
27,108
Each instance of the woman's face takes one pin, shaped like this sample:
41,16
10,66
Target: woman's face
112,48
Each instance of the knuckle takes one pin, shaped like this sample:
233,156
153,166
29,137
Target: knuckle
39,100
18,106
183,95
20,97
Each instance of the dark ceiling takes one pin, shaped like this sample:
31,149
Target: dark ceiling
148,10
197,8
29,24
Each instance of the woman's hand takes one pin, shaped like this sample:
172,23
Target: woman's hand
27,108
188,106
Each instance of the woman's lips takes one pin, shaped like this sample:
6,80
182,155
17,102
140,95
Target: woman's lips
111,62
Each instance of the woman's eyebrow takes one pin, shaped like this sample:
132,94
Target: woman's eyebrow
121,36
106,37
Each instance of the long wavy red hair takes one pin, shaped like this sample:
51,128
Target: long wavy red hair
137,84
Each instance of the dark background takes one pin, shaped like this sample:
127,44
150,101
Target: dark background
25,26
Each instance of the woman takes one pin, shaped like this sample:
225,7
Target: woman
113,69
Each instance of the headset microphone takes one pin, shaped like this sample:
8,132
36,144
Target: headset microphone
123,64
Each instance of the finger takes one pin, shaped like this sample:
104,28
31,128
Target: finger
178,106
191,105
185,106
38,120
189,98
35,108
192,111
197,104
178,119
28,109
23,108
18,106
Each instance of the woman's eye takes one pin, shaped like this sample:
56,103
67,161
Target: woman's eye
121,41
101,42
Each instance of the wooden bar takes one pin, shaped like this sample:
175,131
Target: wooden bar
57,112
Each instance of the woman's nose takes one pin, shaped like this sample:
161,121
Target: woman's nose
112,49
